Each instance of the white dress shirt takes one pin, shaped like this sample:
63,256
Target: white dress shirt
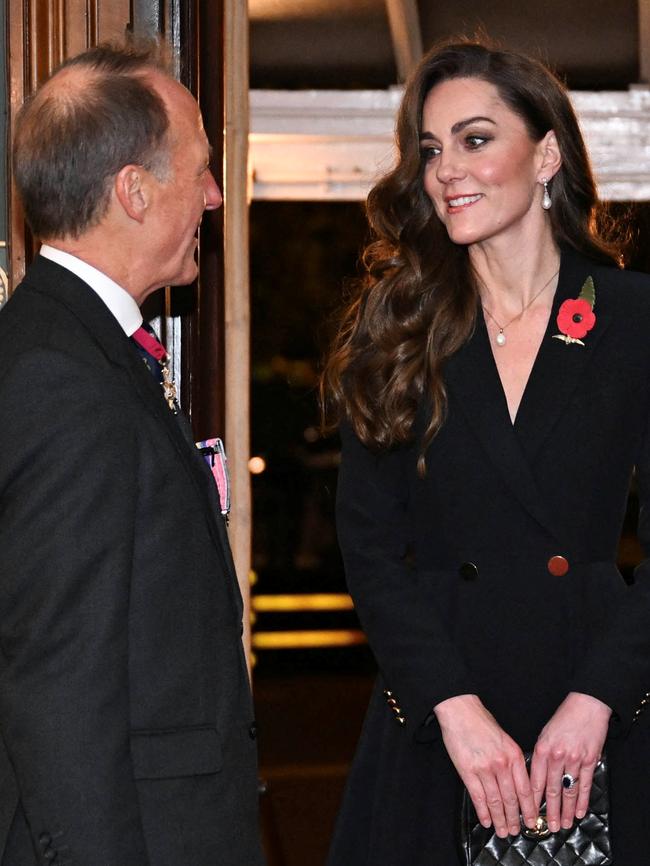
121,304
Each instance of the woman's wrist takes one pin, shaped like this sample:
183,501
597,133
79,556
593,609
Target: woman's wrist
591,703
454,704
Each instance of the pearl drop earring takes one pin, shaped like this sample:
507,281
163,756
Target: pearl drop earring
546,201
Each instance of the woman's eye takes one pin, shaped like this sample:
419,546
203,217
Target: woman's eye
475,141
429,153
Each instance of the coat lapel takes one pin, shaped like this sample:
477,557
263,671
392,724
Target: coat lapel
559,367
47,277
474,386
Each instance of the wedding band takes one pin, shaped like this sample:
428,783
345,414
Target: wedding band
569,781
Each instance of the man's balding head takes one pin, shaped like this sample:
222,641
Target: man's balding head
96,114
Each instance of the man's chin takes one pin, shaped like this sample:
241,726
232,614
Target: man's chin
186,276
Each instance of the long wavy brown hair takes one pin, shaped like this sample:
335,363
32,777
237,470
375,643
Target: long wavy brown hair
417,302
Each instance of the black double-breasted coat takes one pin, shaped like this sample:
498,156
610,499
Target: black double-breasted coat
450,574
125,712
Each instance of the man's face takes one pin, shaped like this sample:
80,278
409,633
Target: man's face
190,188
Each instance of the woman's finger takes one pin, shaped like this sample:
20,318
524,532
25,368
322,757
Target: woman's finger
523,787
538,777
477,794
510,801
584,789
570,790
554,791
495,804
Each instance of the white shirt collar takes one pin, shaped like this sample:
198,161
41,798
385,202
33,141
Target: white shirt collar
121,304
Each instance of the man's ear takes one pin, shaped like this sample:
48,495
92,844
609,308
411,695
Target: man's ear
551,156
131,190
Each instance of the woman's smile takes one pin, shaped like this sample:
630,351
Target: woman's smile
458,203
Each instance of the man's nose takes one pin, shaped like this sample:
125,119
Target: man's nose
212,198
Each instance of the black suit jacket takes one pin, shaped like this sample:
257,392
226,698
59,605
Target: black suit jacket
451,580
125,709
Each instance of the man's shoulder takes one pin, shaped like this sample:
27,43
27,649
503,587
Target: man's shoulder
41,289
32,319
53,308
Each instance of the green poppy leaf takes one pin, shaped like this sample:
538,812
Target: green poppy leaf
588,292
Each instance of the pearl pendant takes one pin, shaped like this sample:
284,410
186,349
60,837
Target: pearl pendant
500,339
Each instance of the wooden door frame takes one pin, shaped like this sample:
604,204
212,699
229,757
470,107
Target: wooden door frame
216,332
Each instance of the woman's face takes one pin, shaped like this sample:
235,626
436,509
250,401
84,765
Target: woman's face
482,169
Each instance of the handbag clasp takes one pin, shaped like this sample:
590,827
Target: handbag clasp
539,831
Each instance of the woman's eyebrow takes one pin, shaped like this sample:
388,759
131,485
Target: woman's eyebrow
460,126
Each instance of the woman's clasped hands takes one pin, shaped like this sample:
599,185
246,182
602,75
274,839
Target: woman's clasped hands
492,766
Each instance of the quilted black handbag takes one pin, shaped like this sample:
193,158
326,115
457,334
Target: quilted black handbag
587,843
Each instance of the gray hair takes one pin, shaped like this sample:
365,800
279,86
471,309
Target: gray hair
70,142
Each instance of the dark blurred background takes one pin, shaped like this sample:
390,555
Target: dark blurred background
313,671
347,45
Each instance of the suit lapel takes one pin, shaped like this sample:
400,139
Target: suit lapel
213,496
180,432
51,279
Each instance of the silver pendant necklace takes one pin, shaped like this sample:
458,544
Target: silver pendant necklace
500,338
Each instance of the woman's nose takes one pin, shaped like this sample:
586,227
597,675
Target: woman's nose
450,167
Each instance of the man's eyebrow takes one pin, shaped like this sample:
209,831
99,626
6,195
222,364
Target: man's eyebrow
460,126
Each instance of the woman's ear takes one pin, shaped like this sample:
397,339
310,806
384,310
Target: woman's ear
550,156
131,191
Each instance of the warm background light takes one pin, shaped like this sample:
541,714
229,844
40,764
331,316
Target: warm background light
307,639
256,465
282,10
292,602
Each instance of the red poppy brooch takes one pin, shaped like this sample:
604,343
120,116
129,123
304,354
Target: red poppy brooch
576,316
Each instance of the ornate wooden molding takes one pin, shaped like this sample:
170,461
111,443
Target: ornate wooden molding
18,86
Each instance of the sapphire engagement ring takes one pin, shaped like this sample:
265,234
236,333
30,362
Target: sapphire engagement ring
569,781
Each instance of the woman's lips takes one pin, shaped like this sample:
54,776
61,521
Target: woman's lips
461,202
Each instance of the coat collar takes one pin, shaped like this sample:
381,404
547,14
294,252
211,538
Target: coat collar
49,278
474,387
